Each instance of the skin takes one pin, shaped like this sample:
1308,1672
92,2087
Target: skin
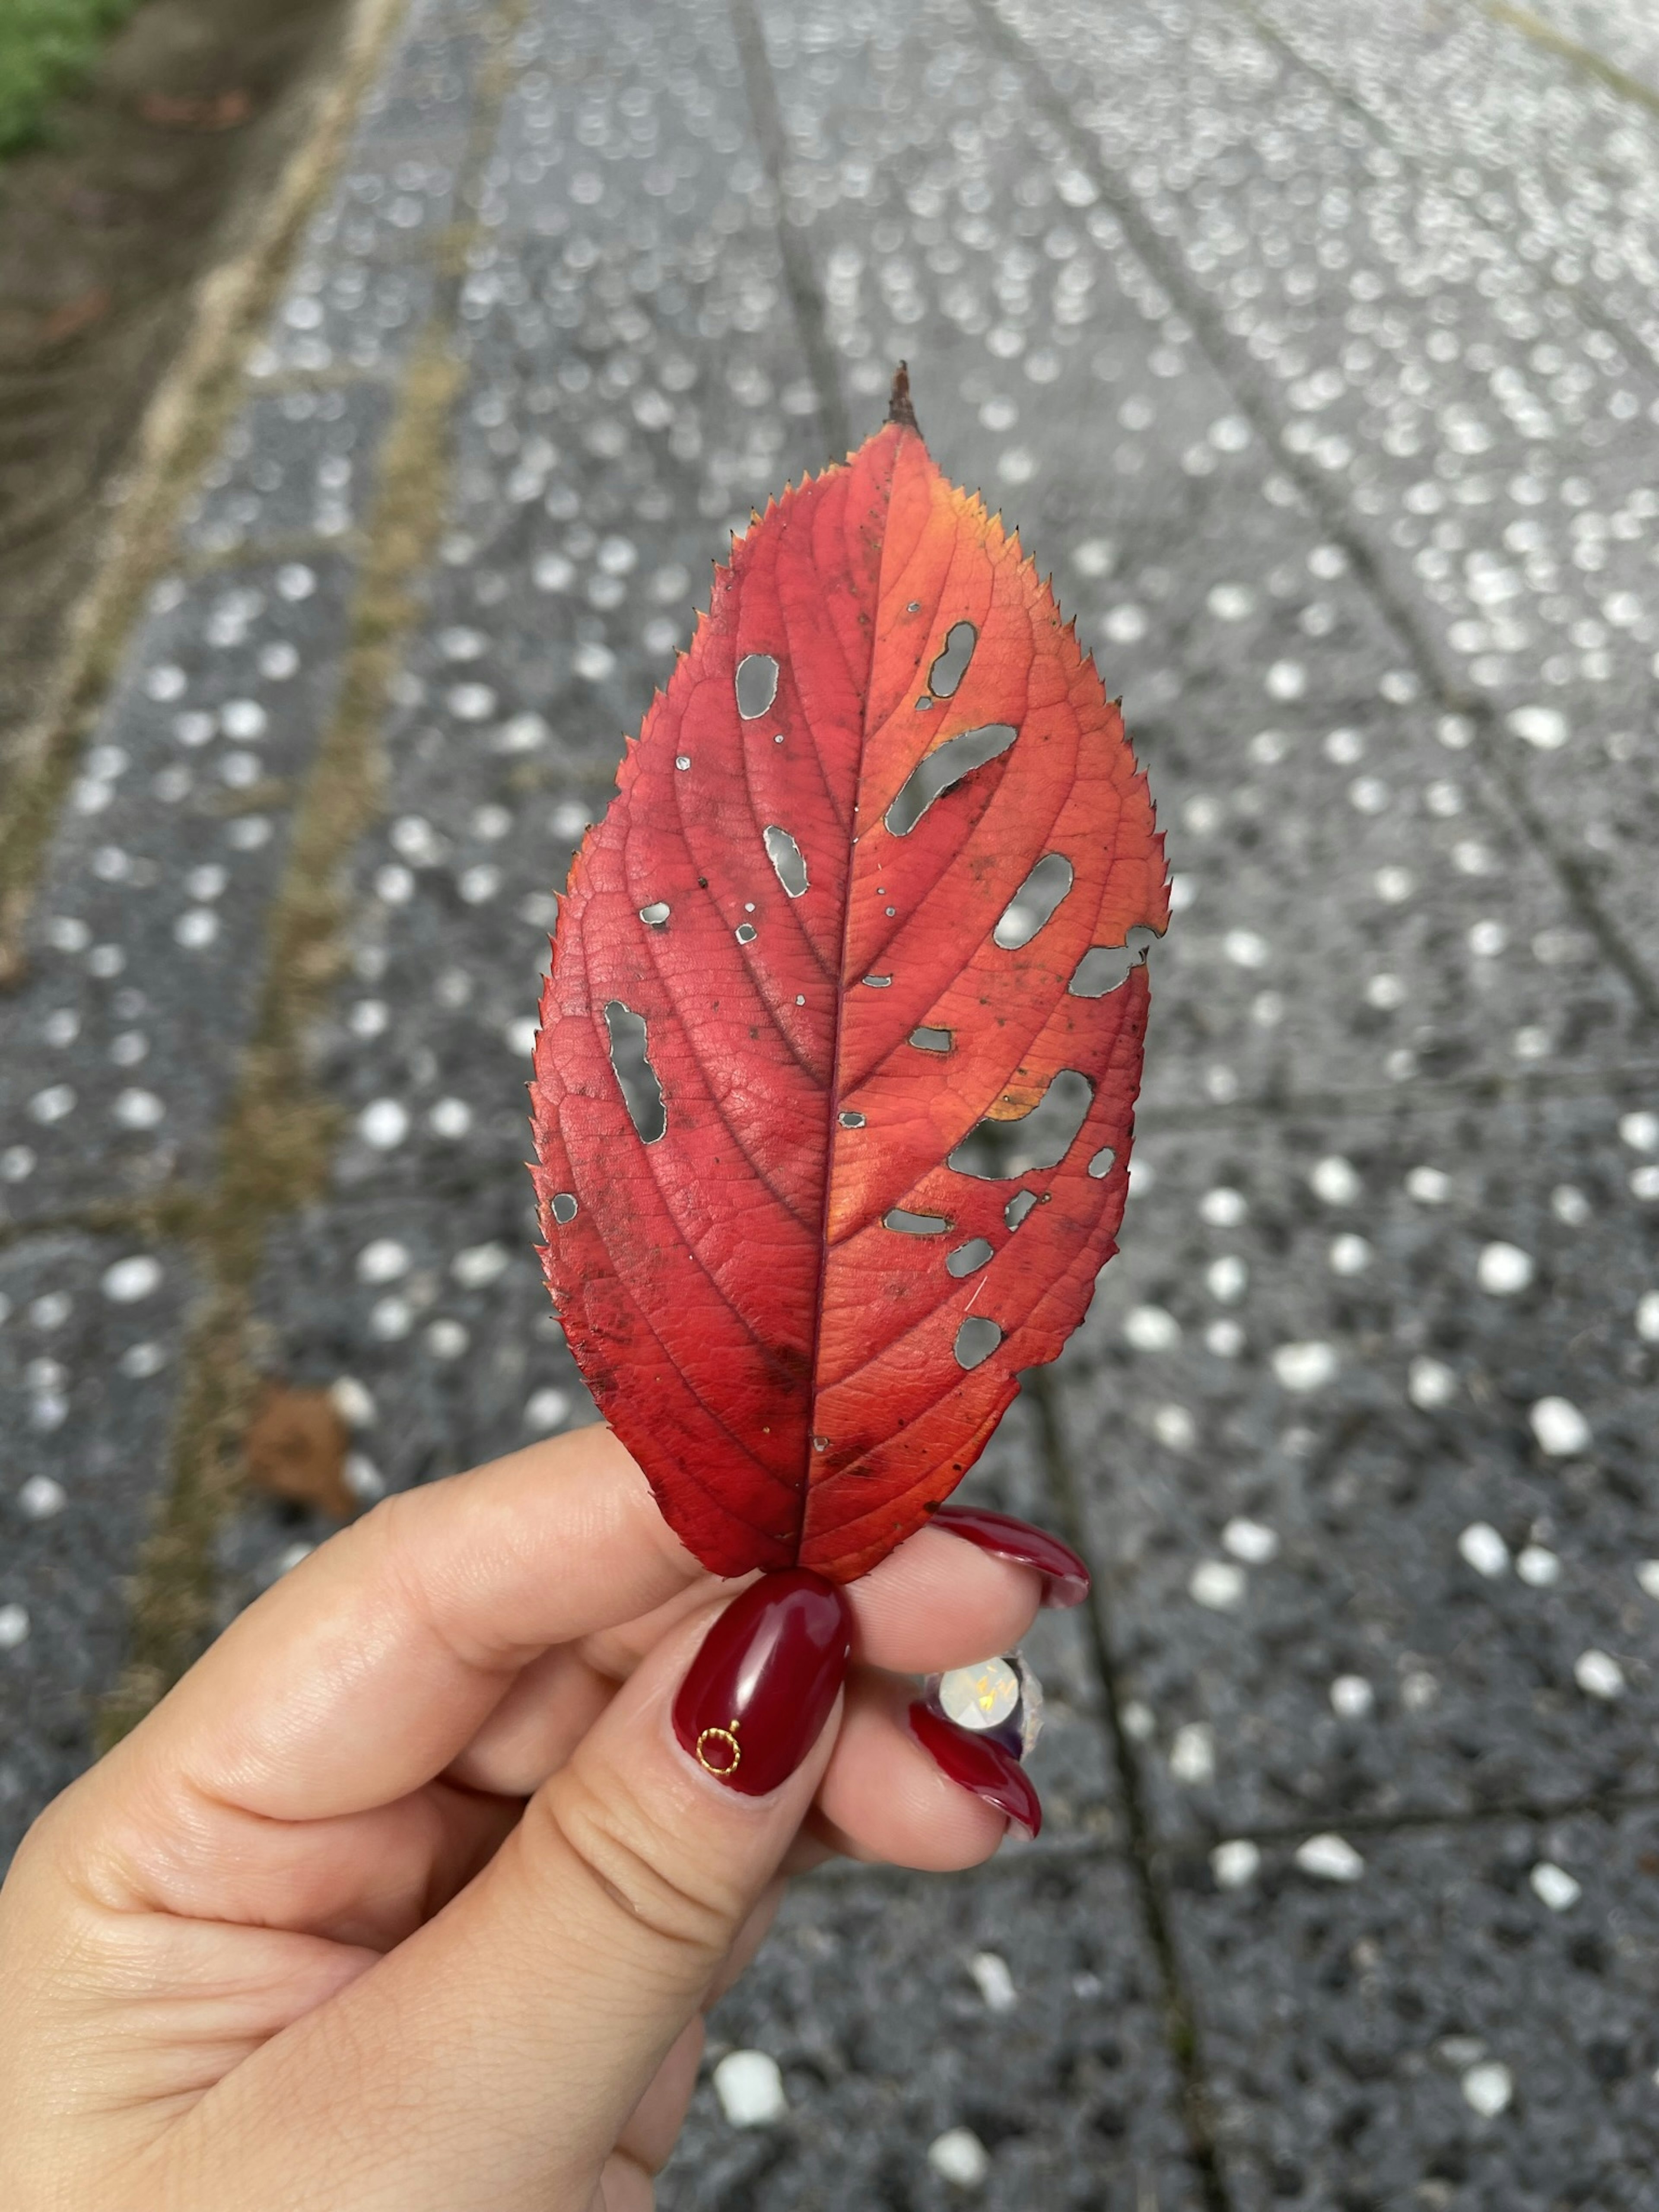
406,1899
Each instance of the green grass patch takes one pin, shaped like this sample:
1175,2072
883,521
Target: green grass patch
45,45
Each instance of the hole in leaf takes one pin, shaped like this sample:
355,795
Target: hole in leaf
636,1077
968,1259
851,1119
756,685
744,932
996,1149
932,1040
943,770
787,858
951,665
878,982
977,1340
564,1207
1033,905
1103,967
655,914
1103,1163
914,1225
1019,1207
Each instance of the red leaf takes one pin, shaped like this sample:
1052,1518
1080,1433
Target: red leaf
740,1286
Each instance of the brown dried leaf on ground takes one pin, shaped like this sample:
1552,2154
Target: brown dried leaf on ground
295,1448
220,110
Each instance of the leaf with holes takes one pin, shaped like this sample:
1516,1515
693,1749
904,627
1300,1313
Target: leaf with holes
835,1078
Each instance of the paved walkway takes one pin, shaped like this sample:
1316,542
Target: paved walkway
1316,349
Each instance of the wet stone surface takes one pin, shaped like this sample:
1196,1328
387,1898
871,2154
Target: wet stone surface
1462,2019
1374,1523
882,2005
302,465
89,1331
146,944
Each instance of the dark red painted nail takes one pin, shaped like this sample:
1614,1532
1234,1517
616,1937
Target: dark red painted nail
1064,1577
760,1690
976,1764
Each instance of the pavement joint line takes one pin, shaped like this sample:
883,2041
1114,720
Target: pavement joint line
1414,642
1145,1853
1544,35
179,431
1603,1804
800,276
278,1139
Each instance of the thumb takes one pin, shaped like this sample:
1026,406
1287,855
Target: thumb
509,2038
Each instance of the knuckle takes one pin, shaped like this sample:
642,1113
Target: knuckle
641,1870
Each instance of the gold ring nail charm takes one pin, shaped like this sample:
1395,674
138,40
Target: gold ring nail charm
730,1736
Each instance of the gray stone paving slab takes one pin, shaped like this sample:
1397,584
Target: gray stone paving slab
1364,1416
303,464
1446,391
871,1996
146,943
89,1331
1300,766
1464,2022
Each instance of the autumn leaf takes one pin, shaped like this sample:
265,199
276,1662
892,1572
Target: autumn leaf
835,1085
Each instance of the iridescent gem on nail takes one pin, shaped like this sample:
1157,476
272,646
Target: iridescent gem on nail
1000,1697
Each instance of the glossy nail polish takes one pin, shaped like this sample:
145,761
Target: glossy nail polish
976,1763
760,1689
1064,1577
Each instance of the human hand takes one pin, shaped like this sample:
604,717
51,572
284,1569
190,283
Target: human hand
410,1897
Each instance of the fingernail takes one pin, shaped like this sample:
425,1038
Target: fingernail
760,1690
974,1763
1064,1577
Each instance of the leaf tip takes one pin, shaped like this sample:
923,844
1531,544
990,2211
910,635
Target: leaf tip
899,409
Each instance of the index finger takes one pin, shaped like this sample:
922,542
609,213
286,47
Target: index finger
366,1671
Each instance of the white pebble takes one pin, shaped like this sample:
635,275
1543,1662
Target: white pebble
382,1261
1538,1568
546,1410
128,1280
1560,1428
1225,1339
1192,1755
751,2089
1227,1279
1352,1697
1335,1181
1488,2088
14,1626
1429,1383
1151,1328
1304,1366
593,662
1640,1131
1647,1575
1174,1428
1350,1254
363,1478
1543,727
40,1498
384,1124
1245,948
1330,1858
1599,1675
1554,1887
1217,1584
1485,1550
1235,1864
451,1117
352,1402
138,1109
446,1339
1221,1208
141,1361
1428,1186
996,1984
960,2156
1253,1541
1503,1269
478,1265
391,1319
